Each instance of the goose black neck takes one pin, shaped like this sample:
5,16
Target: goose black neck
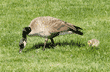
25,32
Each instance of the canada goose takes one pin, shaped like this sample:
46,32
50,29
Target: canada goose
47,27
93,42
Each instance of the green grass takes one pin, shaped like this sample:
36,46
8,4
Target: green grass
72,54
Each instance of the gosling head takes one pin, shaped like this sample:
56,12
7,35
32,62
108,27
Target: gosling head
89,42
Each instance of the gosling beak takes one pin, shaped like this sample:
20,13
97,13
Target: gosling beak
89,44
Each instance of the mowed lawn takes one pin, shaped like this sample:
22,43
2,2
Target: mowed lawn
72,53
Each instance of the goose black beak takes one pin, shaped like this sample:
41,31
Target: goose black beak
20,50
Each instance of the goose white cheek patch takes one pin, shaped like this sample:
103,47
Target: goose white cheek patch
24,43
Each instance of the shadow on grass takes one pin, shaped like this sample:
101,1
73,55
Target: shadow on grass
92,49
49,45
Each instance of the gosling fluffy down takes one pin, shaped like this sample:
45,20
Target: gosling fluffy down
93,42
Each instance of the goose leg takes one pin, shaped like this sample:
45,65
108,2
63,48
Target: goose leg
52,42
45,43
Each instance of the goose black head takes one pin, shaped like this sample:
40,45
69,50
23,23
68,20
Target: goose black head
22,43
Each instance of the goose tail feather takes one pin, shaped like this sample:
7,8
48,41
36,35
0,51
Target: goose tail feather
76,30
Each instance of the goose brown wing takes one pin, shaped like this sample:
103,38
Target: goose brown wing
49,25
56,25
